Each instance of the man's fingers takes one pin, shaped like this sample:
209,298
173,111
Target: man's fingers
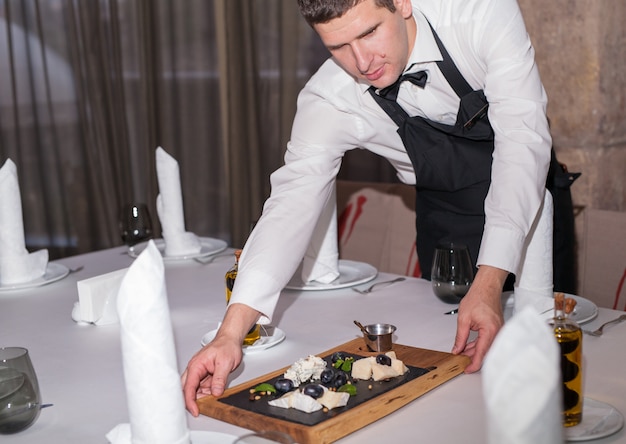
220,376
190,385
462,334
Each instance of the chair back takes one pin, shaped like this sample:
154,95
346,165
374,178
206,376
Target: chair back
377,225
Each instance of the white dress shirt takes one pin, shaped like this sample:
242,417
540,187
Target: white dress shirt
489,44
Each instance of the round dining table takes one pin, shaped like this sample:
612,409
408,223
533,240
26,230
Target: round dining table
80,369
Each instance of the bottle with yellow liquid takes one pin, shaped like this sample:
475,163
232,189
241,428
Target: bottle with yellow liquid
570,338
255,332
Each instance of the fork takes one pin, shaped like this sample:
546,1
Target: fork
598,332
378,285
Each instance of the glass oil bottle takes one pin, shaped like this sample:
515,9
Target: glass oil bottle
570,339
255,332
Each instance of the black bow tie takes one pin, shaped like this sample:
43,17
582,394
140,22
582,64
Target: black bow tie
391,92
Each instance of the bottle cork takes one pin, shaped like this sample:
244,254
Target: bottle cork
570,303
559,301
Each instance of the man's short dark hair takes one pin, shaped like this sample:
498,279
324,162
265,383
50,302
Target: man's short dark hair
323,11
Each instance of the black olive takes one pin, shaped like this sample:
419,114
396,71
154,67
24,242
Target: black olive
313,390
383,359
341,378
283,385
327,376
337,356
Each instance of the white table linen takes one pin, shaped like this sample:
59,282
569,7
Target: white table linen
153,388
321,260
522,383
80,367
17,265
534,284
169,203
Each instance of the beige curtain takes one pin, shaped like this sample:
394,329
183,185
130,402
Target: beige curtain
89,89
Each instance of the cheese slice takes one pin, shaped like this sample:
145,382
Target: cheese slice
399,366
283,402
304,403
362,368
296,400
332,400
381,372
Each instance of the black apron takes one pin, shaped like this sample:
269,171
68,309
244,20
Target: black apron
452,166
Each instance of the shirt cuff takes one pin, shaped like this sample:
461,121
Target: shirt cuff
502,248
247,291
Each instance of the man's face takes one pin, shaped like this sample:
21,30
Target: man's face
371,43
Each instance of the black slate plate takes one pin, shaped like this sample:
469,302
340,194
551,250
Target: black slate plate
242,400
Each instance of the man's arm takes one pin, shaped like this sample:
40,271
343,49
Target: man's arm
480,310
208,370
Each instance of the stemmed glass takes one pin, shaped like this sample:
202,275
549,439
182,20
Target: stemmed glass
452,272
20,401
135,224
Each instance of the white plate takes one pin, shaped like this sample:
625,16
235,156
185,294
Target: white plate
599,420
351,273
54,272
270,336
206,437
209,246
585,310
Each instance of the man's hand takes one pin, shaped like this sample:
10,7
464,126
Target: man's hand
208,370
481,311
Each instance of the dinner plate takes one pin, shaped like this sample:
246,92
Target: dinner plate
54,272
584,311
209,246
206,437
270,336
351,273
599,420
121,433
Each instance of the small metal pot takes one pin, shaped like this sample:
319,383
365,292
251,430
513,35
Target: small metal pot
378,337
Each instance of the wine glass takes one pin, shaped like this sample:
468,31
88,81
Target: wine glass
452,272
20,402
266,437
135,224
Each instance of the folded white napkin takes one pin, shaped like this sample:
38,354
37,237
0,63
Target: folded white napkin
522,388
321,260
169,203
17,265
97,298
534,283
153,388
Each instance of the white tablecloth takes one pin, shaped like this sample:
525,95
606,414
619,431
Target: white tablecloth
80,368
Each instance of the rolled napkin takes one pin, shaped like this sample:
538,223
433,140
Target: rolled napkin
321,260
169,203
522,388
153,388
17,265
534,283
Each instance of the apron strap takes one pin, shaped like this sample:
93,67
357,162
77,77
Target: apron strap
449,69
393,110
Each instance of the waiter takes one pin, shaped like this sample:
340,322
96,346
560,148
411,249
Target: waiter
468,127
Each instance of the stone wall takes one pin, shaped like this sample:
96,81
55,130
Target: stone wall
581,53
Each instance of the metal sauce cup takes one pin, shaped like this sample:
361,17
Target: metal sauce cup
379,336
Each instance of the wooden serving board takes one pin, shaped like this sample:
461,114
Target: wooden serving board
442,367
